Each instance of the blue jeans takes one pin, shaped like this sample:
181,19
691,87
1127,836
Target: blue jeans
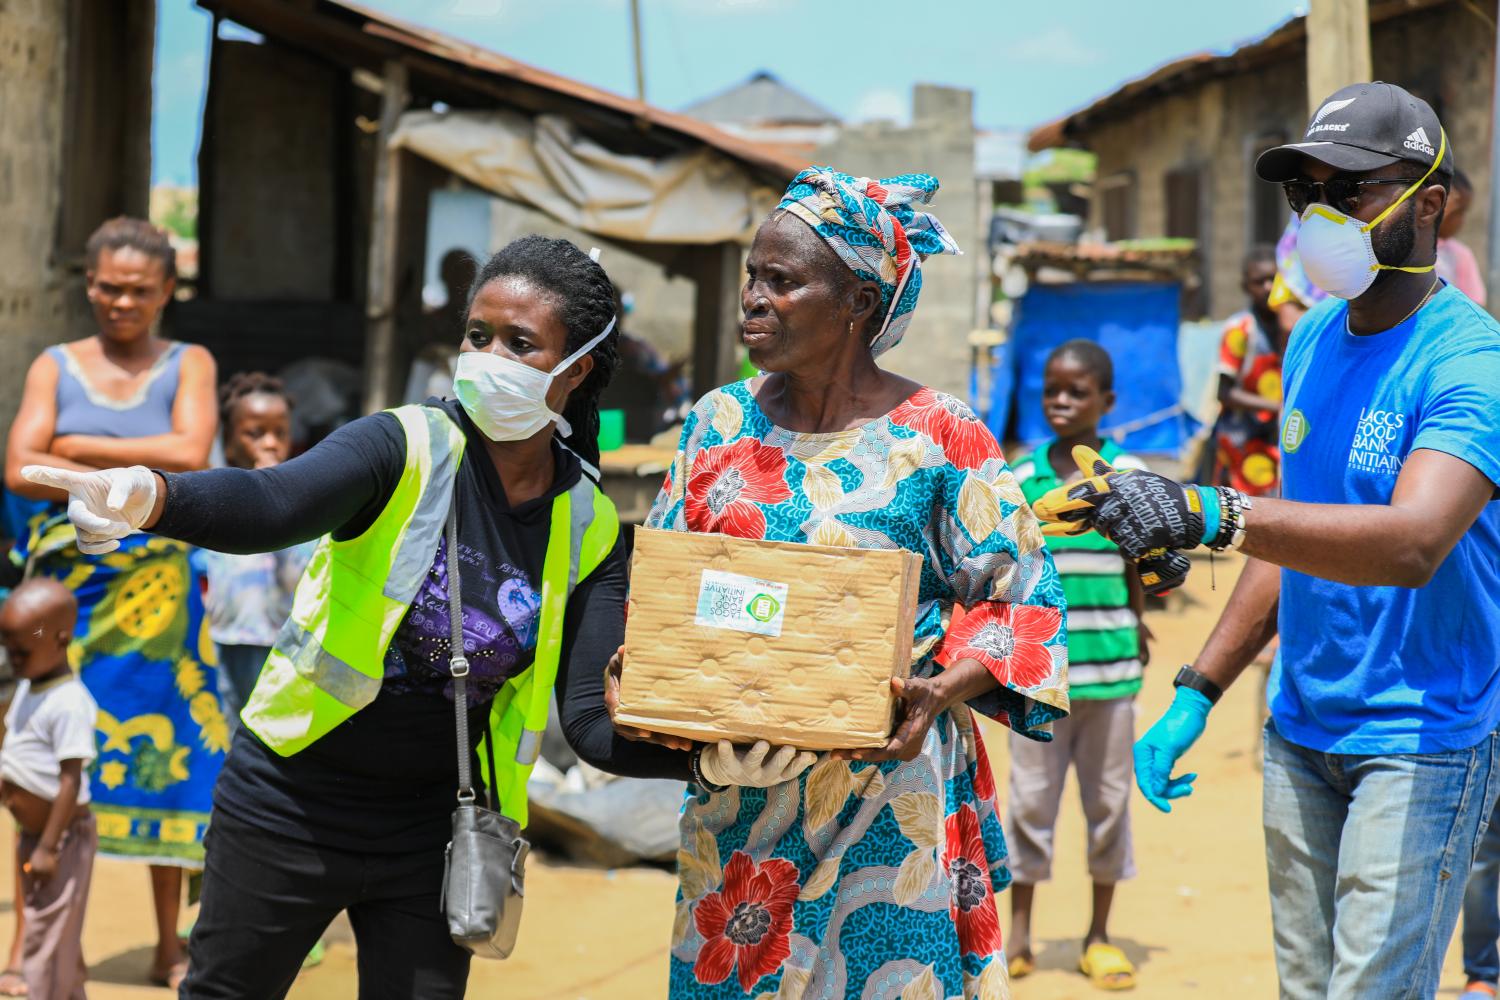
1368,857
239,666
1482,909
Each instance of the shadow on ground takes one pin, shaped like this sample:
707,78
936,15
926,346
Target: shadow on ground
1063,953
126,968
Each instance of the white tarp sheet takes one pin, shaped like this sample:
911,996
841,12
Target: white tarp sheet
695,197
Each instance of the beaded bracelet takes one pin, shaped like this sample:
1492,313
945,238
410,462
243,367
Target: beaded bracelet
1231,519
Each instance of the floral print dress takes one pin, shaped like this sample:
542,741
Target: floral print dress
861,879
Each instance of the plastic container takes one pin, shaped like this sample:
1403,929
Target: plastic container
611,429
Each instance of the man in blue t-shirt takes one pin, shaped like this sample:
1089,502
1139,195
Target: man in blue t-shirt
1380,754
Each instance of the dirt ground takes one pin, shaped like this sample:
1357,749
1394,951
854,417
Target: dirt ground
1196,921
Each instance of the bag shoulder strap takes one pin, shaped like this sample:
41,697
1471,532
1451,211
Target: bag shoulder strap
458,663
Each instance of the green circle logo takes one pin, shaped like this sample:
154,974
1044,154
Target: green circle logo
763,607
1294,431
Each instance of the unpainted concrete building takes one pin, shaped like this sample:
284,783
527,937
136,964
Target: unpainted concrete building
955,290
311,224
1176,147
75,114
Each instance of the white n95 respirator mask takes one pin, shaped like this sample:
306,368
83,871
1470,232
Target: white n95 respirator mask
507,399
1337,250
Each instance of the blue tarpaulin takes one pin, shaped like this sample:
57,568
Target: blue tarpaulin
1136,322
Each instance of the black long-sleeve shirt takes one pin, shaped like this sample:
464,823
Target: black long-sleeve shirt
384,780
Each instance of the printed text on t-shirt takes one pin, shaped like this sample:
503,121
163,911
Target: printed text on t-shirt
1371,449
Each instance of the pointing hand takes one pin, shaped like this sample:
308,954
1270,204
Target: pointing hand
104,506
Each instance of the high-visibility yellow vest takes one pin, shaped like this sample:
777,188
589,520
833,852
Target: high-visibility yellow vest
328,662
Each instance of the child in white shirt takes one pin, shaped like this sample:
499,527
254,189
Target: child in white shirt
49,743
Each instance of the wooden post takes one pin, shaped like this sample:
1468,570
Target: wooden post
716,318
1338,47
635,39
208,174
380,285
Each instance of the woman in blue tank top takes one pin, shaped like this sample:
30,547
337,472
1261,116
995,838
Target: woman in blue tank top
127,397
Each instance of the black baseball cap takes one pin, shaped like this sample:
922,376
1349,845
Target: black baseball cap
1362,127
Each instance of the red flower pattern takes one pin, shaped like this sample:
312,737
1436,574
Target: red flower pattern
727,483
748,923
949,422
1009,639
973,897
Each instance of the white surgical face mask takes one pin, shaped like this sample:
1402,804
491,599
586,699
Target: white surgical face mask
1337,251
506,399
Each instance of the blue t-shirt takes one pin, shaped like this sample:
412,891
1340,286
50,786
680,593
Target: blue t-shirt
1379,670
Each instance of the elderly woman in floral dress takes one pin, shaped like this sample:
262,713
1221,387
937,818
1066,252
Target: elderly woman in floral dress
871,873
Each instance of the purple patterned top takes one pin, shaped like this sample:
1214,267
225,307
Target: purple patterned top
499,648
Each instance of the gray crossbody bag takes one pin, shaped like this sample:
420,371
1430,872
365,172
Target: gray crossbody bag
484,868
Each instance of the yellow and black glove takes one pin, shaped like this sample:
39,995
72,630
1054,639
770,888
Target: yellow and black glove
1140,511
1149,516
1165,571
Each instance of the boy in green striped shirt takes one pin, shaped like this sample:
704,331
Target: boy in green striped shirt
1107,648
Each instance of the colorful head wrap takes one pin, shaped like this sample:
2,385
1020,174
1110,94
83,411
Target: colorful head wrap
873,228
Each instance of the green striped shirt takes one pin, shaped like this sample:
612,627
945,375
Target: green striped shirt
1103,641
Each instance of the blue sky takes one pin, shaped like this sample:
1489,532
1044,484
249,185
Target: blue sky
1026,63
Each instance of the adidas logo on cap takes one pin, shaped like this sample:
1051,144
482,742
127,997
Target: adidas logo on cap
1419,142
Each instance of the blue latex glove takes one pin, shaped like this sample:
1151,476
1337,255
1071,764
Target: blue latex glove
1157,751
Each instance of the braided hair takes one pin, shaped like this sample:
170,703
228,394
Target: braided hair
586,304
243,384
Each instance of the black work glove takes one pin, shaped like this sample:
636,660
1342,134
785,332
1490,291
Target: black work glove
1144,513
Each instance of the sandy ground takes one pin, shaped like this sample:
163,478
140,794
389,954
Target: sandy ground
1196,921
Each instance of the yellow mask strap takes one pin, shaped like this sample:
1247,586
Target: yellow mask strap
1442,148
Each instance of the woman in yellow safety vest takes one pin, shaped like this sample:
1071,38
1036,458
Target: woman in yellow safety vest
339,787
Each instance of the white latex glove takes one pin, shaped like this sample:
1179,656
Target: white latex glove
104,506
722,764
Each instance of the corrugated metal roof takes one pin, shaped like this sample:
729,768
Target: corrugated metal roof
361,34
761,100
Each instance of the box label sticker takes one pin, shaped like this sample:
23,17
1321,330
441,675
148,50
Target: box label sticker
741,603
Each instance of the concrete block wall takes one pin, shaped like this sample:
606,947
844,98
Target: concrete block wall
939,141
1214,126
39,302
1446,53
1448,56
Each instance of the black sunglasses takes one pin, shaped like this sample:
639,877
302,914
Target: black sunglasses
1341,192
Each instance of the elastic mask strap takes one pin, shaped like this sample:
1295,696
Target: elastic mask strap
1442,148
569,361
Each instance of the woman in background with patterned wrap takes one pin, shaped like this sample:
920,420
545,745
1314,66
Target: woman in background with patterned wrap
874,872
142,649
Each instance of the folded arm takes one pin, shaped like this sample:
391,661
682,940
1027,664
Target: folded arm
30,439
195,420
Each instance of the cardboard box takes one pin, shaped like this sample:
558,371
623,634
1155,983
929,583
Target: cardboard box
744,640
